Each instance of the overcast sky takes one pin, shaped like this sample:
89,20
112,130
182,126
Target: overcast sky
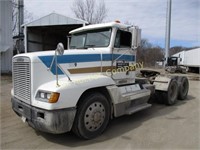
149,15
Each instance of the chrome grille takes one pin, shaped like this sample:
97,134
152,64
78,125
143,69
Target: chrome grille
22,78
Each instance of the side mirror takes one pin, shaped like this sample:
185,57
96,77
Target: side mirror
136,37
68,41
60,49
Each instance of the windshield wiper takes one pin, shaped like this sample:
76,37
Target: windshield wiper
89,45
85,47
81,47
72,47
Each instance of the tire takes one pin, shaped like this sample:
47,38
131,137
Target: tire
171,95
183,88
93,115
158,96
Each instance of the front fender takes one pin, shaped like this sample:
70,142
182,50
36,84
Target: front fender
71,91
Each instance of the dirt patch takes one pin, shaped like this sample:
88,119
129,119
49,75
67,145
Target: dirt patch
5,79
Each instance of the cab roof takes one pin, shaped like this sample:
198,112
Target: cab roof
98,26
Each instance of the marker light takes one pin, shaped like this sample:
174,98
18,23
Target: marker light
54,97
117,21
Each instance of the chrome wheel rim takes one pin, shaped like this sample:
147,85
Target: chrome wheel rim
94,116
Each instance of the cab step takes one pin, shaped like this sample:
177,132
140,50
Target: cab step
137,108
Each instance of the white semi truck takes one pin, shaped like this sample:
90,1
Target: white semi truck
185,60
82,88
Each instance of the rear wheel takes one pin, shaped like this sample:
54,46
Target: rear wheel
171,95
158,96
183,88
92,116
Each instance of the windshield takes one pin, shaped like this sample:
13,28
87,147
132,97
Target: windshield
94,38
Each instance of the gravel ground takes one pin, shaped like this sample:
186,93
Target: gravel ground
159,127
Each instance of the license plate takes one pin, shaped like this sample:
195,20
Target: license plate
23,119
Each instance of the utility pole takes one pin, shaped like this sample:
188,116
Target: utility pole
168,30
20,22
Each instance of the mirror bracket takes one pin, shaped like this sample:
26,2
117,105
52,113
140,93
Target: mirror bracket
59,51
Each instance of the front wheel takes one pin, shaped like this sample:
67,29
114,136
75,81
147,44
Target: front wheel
92,116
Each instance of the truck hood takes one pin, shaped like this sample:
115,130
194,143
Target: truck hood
48,55
72,61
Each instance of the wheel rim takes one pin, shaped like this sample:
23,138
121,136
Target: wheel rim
94,116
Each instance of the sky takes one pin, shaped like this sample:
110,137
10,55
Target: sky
149,15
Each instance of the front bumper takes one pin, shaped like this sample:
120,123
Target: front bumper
51,121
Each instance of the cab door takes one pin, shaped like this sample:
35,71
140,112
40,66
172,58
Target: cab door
123,59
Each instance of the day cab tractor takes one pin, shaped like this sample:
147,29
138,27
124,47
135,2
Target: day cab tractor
174,65
84,87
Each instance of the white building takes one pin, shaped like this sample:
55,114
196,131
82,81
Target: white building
46,32
6,42
39,35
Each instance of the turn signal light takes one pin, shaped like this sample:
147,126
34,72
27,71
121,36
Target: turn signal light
117,21
54,97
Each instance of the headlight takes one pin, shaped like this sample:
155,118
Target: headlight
51,97
44,95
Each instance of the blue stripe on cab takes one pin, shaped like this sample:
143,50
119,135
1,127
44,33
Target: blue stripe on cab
47,61
78,58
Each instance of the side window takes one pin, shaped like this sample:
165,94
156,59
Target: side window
123,39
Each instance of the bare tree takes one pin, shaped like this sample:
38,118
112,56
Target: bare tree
128,22
149,53
27,17
14,17
175,49
17,29
90,10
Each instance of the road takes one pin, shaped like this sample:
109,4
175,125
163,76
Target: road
159,127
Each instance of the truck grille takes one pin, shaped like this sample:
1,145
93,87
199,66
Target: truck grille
22,78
